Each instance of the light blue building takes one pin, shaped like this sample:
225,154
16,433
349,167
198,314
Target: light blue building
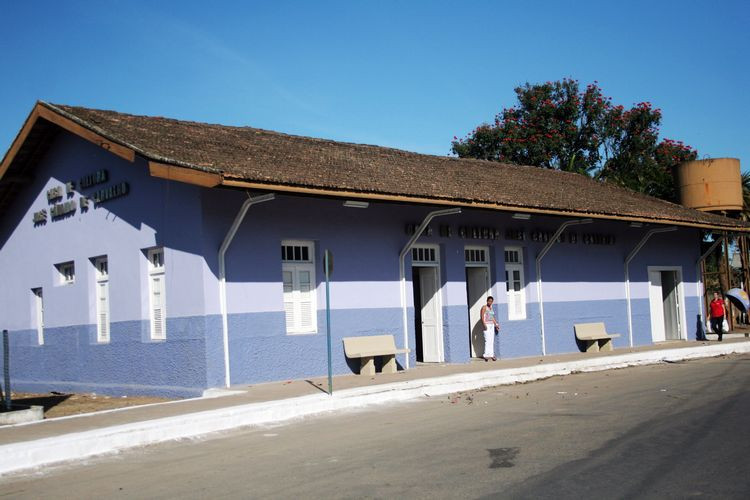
144,255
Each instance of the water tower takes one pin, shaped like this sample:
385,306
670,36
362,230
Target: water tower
711,185
715,185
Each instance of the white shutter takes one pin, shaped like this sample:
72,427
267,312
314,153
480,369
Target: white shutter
514,283
158,313
39,307
288,277
305,301
515,287
102,312
299,298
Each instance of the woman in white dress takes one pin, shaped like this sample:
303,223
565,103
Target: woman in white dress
491,326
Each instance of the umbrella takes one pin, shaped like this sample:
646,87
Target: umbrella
739,298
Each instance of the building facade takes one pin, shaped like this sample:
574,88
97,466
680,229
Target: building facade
114,283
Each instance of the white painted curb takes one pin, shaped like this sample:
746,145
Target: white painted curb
75,446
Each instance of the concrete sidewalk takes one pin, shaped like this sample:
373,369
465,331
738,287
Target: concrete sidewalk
26,446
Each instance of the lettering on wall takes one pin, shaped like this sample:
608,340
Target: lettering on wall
545,236
513,234
54,193
61,207
98,177
111,192
598,239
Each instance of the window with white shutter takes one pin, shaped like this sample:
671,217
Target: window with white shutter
298,277
157,295
102,299
38,300
66,273
515,285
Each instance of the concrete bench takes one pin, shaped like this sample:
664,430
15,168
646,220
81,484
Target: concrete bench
595,336
368,347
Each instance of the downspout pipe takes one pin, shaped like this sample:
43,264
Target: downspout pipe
402,273
539,258
250,201
630,257
699,282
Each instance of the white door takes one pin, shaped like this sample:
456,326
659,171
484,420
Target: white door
656,303
671,301
431,330
477,290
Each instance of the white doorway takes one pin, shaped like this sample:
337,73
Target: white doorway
667,304
428,310
477,291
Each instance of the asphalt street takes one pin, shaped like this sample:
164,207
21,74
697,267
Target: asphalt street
673,430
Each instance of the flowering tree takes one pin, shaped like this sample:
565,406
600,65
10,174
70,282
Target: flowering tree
556,125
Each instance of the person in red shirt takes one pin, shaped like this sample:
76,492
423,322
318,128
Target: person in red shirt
718,311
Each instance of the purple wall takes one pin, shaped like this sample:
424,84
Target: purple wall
154,212
582,282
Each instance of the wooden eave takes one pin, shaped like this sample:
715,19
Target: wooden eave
40,111
355,195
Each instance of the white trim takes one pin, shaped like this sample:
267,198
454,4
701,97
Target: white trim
66,272
482,254
514,298
157,277
101,268
309,244
38,308
402,271
302,310
487,288
434,263
428,250
681,303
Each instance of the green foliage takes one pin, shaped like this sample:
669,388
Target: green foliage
555,125
745,214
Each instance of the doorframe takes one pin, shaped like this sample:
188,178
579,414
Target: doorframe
473,265
438,293
681,291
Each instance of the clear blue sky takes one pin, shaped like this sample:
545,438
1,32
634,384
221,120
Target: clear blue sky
409,75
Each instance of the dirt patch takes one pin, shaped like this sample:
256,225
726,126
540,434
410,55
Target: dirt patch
61,405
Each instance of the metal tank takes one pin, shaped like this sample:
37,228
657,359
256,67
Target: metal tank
711,185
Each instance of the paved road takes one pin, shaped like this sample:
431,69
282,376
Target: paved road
669,431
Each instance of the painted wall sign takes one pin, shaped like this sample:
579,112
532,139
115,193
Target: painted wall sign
446,231
412,228
598,239
515,234
544,236
40,217
54,193
478,233
111,192
98,177
61,208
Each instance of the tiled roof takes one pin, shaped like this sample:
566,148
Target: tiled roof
282,161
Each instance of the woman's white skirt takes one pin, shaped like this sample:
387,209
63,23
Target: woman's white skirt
489,342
